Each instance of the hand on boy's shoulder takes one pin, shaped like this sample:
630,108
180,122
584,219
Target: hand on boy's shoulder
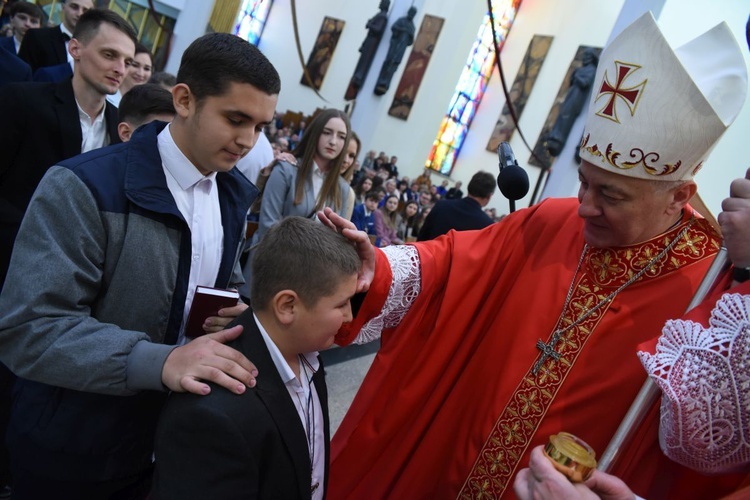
207,358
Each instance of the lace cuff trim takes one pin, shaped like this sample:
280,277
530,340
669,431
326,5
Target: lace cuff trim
704,375
405,287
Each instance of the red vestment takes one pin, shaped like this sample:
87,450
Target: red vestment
450,407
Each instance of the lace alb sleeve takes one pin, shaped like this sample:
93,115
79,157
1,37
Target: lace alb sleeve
704,375
404,289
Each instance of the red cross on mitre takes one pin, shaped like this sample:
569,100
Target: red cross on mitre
631,95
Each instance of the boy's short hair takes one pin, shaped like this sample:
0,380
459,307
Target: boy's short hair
89,23
163,78
215,60
302,255
373,195
30,9
143,101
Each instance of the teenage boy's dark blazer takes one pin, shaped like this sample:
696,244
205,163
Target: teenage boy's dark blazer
39,127
43,47
227,446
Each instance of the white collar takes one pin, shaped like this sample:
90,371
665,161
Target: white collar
285,371
65,30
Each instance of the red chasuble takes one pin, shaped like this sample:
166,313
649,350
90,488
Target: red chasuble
451,407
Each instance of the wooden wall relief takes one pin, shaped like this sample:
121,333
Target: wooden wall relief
521,89
322,52
416,65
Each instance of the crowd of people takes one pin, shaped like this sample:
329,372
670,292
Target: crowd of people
494,336
398,206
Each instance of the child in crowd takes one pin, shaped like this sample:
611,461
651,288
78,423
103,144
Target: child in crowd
364,215
271,441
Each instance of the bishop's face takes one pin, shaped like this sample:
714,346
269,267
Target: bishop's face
619,210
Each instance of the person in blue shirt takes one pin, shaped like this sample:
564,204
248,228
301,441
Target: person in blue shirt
364,215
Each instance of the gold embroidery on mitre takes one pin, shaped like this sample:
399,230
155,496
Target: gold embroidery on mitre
605,270
637,157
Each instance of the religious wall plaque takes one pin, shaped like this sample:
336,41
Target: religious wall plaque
416,65
322,52
520,90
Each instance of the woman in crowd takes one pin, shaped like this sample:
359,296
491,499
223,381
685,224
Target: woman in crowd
348,167
420,219
139,70
385,222
315,182
361,189
407,220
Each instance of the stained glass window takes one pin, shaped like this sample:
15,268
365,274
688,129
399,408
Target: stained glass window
252,19
470,88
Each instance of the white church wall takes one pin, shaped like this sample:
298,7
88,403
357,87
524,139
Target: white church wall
681,21
586,22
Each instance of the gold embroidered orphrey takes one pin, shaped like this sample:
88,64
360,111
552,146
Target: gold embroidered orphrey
604,270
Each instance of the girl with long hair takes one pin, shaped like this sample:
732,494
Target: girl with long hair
407,220
347,168
361,190
385,222
315,182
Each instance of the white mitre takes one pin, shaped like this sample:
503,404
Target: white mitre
656,113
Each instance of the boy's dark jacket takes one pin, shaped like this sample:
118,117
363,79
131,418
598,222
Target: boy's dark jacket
228,446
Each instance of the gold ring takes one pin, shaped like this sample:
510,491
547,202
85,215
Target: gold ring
571,456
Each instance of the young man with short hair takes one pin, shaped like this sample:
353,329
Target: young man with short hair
111,250
271,441
23,17
463,214
44,123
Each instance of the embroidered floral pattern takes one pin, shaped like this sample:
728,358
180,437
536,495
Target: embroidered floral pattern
636,156
704,375
405,287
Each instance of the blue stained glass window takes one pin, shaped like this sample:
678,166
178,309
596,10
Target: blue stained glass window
470,88
251,19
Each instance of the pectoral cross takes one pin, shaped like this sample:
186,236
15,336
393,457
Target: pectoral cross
548,351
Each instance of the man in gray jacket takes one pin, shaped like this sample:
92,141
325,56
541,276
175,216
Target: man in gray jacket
103,273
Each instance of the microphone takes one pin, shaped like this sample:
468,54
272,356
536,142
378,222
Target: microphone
512,180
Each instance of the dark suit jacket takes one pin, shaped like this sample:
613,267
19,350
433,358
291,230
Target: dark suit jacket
8,43
39,127
363,222
227,446
43,47
454,194
13,69
56,73
461,215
